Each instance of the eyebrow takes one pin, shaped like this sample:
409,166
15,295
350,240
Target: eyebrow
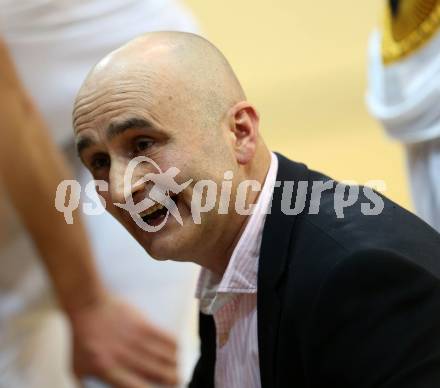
116,129
82,143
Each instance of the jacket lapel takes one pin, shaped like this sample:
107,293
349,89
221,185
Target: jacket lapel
277,236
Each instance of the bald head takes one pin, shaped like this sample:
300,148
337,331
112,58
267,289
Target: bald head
177,64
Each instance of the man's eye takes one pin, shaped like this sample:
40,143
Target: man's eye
100,161
142,144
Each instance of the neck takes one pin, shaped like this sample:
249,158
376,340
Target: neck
237,223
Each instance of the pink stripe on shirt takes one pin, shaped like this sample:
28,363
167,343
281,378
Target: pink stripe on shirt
232,300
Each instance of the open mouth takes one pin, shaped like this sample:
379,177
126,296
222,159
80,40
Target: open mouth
154,215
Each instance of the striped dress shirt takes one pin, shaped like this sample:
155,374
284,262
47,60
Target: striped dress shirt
232,299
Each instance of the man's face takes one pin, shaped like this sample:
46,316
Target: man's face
118,121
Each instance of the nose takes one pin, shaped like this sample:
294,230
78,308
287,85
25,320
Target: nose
124,182
120,181
116,182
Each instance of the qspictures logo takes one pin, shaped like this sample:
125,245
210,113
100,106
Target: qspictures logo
152,212
159,197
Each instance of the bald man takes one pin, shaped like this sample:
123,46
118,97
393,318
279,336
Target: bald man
292,292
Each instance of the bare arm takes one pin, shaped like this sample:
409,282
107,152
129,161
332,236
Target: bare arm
31,168
111,340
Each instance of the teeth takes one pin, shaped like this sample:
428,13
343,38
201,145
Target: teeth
151,210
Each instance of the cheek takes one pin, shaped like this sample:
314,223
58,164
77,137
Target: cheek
106,197
109,206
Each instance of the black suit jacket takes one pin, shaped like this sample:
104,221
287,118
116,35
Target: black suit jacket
342,302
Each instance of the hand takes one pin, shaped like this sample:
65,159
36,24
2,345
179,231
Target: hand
113,342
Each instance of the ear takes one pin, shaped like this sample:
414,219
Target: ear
244,126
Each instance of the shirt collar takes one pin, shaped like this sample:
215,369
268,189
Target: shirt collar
241,273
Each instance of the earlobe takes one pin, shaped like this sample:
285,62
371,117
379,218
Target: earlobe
244,125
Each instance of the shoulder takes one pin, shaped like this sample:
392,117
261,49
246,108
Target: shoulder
360,220
330,239
346,219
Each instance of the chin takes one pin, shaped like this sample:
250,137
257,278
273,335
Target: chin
172,242
165,246
160,248
158,255
161,252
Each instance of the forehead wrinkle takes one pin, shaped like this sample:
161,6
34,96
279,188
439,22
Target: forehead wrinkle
88,93
103,86
89,124
94,98
120,113
87,114
87,108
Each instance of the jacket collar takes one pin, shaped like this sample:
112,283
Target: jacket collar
277,237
